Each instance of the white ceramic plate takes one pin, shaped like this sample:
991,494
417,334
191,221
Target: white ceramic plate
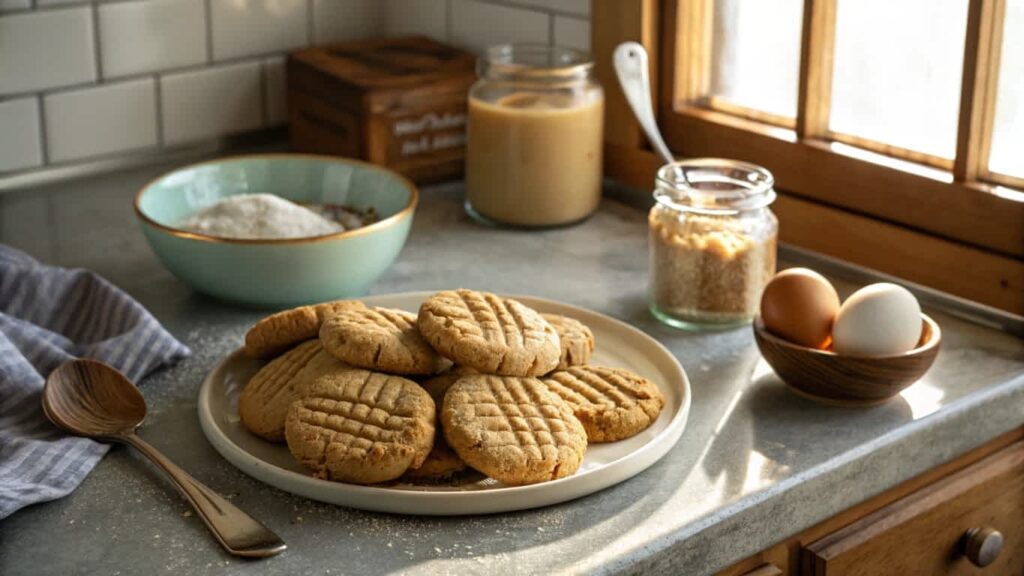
604,465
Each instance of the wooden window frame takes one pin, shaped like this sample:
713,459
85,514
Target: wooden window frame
951,225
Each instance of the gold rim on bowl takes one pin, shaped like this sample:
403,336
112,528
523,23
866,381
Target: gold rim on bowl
934,336
405,212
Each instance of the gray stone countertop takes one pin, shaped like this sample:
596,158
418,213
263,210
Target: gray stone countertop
755,464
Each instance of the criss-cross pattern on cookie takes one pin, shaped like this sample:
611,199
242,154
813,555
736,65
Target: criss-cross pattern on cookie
277,332
576,339
263,403
380,339
599,386
278,376
495,319
611,403
513,429
519,413
362,412
489,333
361,426
384,319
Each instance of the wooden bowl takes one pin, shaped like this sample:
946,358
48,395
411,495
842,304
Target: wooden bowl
824,376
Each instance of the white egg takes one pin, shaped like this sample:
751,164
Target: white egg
877,320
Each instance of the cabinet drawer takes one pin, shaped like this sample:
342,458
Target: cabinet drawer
925,533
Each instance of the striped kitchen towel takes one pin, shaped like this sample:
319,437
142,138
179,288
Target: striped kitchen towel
49,315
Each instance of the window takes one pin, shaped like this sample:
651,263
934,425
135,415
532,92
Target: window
755,59
885,108
1006,162
903,119
896,76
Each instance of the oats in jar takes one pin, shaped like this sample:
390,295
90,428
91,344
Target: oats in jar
707,270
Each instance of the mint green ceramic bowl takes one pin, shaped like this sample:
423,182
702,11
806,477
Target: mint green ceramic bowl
282,272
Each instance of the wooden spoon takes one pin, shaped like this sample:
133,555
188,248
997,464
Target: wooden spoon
92,399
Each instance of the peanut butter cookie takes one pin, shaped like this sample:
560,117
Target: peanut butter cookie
263,403
612,403
381,339
442,463
439,385
488,333
362,427
513,429
576,339
279,332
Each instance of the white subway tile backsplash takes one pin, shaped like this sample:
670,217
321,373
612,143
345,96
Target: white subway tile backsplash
19,134
572,32
340,20
277,91
190,70
580,7
6,5
211,102
476,26
427,17
106,119
137,37
46,49
249,27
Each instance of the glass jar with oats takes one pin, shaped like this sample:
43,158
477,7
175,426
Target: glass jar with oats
712,242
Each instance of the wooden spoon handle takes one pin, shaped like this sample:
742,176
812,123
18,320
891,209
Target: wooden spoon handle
239,533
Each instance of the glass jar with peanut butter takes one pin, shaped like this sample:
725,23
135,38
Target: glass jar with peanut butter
712,242
533,155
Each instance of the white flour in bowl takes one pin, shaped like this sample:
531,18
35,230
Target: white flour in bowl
259,216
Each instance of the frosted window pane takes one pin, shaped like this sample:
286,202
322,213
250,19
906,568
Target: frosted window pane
1007,154
897,72
756,54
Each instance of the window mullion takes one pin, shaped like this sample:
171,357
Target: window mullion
693,50
814,99
978,88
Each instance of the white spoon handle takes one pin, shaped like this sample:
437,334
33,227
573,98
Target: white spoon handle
630,61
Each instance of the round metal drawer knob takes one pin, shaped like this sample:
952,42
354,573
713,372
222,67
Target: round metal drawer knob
983,545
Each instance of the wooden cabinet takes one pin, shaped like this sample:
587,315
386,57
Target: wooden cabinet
964,517
765,570
926,533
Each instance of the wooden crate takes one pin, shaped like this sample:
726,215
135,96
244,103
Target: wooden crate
399,103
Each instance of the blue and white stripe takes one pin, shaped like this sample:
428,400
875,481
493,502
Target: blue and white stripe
48,316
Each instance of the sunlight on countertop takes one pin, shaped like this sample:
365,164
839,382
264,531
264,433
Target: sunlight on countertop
924,398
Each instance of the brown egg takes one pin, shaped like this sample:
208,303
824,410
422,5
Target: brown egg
800,305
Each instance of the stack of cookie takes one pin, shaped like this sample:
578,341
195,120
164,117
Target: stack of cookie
473,382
